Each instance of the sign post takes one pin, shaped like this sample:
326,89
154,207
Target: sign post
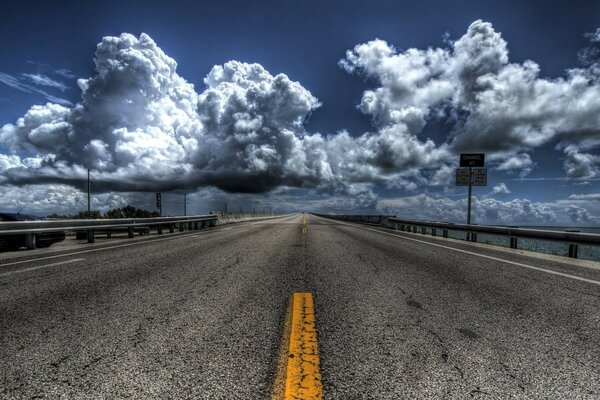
471,174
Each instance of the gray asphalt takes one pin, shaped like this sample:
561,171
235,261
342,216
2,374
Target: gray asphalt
200,315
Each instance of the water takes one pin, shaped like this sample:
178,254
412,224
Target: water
585,252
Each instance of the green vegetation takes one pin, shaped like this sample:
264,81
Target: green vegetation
130,212
125,212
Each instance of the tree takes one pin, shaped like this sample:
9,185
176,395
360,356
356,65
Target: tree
114,213
94,214
130,212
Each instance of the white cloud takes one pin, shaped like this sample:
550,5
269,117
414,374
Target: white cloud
500,189
520,162
485,210
499,107
43,80
580,165
589,196
444,176
45,199
141,126
580,214
65,73
27,85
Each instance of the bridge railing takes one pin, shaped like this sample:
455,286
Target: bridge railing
30,228
572,238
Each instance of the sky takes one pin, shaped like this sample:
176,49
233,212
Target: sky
325,106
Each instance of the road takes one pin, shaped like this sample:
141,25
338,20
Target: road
200,315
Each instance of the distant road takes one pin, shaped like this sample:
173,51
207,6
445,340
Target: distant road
200,315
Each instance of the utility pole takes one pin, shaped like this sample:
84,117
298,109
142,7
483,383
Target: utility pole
89,182
470,191
159,203
185,204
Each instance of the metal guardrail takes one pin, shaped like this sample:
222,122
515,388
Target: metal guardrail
363,219
573,239
30,228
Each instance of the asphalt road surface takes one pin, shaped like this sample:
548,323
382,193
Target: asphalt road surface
200,315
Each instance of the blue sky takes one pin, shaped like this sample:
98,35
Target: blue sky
46,46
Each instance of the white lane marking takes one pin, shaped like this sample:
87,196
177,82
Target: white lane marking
187,236
214,230
42,266
548,271
105,248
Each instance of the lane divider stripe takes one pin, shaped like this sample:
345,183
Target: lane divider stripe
136,243
548,271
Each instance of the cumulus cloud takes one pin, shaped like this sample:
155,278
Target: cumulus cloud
61,199
500,189
589,196
580,214
140,126
444,176
485,210
498,107
580,165
518,162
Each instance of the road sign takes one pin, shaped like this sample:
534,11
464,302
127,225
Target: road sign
472,160
462,177
479,176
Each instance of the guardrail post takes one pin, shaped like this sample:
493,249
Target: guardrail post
513,243
171,228
130,232
159,230
423,230
445,233
573,250
90,235
415,229
471,236
432,231
30,241
181,227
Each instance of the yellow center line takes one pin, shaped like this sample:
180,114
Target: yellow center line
304,225
302,373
